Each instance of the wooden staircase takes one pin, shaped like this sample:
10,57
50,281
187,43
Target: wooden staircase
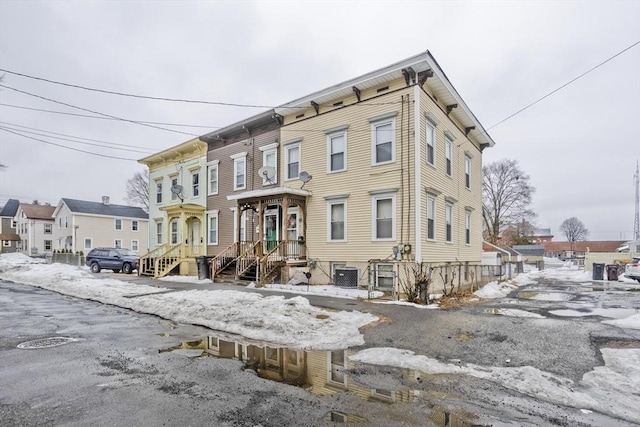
161,261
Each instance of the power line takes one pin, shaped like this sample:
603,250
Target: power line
105,118
64,146
95,112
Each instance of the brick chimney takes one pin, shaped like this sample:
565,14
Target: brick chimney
105,200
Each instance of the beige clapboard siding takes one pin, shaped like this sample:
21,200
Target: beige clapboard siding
359,178
103,233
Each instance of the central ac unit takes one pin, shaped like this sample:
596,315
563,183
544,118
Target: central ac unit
346,277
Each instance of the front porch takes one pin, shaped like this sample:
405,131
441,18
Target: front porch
279,216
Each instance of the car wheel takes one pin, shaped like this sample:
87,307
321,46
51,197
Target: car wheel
126,268
116,270
95,267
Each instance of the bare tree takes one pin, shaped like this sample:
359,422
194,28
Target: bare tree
138,190
574,230
506,196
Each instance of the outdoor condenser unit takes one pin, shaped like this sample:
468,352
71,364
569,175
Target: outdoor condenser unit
346,277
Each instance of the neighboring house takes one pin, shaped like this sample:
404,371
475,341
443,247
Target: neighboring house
369,173
573,250
8,237
34,225
542,236
178,199
531,254
80,225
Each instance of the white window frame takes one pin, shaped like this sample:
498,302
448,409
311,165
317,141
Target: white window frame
117,243
50,245
330,205
448,149
239,159
174,235
135,225
6,243
158,192
90,241
159,232
48,228
287,160
195,184
467,172
174,182
374,218
467,227
211,215
135,245
431,142
115,224
387,271
332,135
448,220
374,142
243,225
213,172
340,365
431,212
270,158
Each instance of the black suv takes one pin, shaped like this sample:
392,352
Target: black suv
115,259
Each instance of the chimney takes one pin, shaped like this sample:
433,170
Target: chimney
105,200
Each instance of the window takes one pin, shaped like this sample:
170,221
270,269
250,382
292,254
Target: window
159,232
337,150
383,142
174,182
118,224
60,223
448,146
212,223
243,221
467,171
6,243
47,245
213,178
158,192
174,232
270,158
47,228
195,184
467,227
337,366
134,245
239,171
385,275
336,228
117,243
88,243
449,222
292,160
431,217
384,207
66,222
431,144
134,225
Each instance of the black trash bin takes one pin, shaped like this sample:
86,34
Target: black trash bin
612,272
203,268
598,271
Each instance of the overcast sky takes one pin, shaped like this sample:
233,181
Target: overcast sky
580,145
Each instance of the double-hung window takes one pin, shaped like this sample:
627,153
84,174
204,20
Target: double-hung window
47,228
384,217
467,171
431,217
448,215
431,143
134,225
159,226
270,161
118,223
135,245
174,232
212,227
383,139
158,192
448,147
292,160
467,227
337,219
213,177
195,184
239,171
337,149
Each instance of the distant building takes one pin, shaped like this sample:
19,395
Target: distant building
8,237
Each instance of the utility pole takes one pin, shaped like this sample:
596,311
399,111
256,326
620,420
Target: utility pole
636,224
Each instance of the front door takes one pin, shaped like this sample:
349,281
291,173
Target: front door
195,237
270,229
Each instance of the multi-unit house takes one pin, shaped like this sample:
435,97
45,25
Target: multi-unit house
8,237
350,182
34,226
178,197
79,226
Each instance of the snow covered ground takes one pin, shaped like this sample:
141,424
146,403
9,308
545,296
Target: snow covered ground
611,389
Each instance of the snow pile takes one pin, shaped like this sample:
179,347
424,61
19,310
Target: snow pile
495,290
630,322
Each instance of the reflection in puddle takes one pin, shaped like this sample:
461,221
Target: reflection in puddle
319,372
545,296
615,313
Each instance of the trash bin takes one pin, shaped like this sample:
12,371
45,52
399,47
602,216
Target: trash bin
598,271
612,272
203,268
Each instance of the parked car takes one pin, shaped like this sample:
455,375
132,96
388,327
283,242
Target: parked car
632,271
115,259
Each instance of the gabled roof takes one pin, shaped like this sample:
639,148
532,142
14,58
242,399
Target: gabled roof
37,211
10,208
97,208
583,246
529,249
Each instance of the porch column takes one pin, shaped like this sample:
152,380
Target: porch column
284,221
238,219
260,229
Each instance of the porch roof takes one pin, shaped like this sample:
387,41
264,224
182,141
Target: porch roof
273,191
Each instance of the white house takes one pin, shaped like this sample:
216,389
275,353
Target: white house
34,226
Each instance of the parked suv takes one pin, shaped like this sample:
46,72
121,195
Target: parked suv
115,259
632,270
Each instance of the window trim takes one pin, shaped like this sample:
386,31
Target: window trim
159,232
195,183
213,214
287,150
158,191
431,134
374,142
115,224
50,228
137,245
90,240
239,158
433,212
448,220
330,204
116,244
171,232
467,226
266,151
137,225
330,138
374,217
448,154
467,172
213,166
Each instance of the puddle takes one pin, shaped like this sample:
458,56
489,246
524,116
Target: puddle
614,313
512,312
322,372
545,296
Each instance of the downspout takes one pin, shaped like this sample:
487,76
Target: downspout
401,170
417,130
